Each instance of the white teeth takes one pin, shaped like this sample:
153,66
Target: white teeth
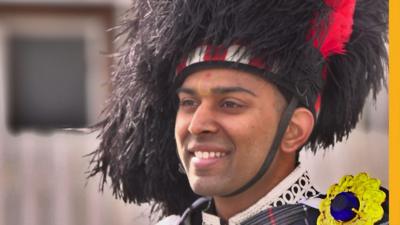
207,155
198,154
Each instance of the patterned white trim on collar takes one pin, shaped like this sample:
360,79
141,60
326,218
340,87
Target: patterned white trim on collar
295,188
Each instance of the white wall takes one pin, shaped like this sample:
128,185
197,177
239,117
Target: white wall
42,175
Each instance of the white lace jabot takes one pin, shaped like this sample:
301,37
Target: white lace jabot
295,188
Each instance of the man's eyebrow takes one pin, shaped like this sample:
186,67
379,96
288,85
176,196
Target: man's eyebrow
186,90
225,90
217,90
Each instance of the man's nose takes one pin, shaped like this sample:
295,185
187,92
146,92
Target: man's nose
203,120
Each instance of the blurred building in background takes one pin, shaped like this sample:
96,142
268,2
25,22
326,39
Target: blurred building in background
53,74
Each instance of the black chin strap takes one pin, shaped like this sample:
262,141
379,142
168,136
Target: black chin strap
283,124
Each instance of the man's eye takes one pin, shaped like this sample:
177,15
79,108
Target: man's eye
230,104
187,103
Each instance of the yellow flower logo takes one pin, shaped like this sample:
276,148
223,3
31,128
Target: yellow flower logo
361,193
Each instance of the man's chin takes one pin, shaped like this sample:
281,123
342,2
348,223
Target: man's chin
205,191
208,187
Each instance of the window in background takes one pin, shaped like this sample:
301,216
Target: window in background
47,83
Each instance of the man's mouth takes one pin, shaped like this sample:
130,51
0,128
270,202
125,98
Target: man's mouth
208,155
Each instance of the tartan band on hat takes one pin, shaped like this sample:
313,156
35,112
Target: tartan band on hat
234,57
209,53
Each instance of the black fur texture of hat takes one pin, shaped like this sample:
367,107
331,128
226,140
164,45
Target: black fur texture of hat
137,149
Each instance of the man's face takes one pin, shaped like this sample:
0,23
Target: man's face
224,128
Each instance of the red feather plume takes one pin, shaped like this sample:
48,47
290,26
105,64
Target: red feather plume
336,34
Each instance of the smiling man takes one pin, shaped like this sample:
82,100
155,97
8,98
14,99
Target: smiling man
226,119
213,100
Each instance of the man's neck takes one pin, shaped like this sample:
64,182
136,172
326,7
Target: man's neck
227,207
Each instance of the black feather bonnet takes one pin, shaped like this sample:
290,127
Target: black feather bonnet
137,149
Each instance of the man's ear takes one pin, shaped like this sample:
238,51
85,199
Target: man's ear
299,129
